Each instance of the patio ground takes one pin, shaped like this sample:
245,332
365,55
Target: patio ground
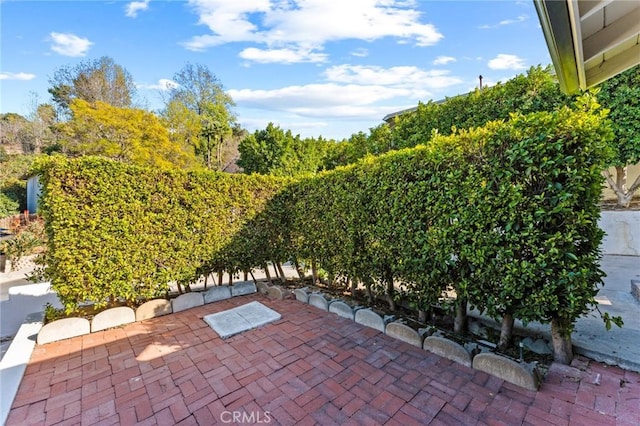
310,367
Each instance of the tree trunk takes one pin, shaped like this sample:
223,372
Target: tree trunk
506,332
314,272
275,271
252,277
267,273
624,195
331,280
281,272
219,154
460,321
179,288
206,277
245,276
354,287
367,286
389,291
422,316
561,339
299,271
230,279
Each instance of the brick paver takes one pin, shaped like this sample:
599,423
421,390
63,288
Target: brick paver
310,367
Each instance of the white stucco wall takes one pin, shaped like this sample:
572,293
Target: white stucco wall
622,230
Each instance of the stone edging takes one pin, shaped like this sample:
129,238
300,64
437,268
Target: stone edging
71,327
520,374
524,375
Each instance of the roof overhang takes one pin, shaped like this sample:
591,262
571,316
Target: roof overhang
590,41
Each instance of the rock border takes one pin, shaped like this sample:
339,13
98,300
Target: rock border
523,375
67,328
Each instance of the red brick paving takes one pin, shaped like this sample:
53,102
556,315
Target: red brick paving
311,367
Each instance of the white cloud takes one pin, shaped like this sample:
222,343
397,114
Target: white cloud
23,76
163,84
351,92
68,44
227,20
410,77
443,60
504,22
360,52
315,95
306,25
282,56
288,122
507,62
132,9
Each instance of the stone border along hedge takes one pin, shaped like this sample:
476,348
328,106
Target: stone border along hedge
71,327
525,375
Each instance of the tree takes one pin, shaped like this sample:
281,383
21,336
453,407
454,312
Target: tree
198,112
12,127
621,95
277,152
92,81
264,151
537,90
124,134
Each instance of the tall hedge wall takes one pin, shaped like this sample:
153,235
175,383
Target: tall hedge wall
505,214
124,232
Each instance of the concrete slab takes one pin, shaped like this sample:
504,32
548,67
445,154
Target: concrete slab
242,318
14,362
622,232
23,299
216,294
635,289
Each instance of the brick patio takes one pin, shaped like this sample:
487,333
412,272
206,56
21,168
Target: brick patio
310,367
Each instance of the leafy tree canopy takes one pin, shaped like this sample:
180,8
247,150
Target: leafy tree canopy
125,134
92,81
277,152
198,112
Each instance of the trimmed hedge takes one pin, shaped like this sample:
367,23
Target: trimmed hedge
118,231
505,214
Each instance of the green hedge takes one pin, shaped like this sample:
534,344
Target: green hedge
505,214
124,232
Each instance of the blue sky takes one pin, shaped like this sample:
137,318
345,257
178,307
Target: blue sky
317,67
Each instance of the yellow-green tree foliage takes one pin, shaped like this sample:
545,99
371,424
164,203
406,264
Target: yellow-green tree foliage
128,135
